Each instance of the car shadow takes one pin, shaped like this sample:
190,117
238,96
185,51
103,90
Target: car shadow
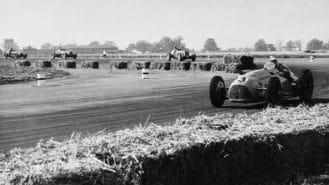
285,104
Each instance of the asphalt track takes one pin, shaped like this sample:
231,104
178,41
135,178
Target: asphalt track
93,100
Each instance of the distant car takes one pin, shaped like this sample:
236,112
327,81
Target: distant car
262,84
180,55
309,51
15,55
63,53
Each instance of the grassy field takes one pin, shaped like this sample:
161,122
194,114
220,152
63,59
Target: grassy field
10,74
131,155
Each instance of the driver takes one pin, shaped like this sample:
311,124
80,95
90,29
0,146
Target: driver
283,69
11,50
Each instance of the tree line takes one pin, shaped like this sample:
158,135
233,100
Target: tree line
166,44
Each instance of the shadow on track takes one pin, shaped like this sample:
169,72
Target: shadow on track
284,104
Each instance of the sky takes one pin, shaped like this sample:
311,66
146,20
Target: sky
232,23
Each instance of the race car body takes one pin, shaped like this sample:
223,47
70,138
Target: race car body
15,54
262,84
180,55
62,53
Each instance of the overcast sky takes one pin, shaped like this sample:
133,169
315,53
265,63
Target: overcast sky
232,23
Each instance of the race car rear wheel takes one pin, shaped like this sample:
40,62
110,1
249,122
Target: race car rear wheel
168,57
305,86
217,91
273,92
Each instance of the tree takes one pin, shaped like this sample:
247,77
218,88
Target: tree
29,48
210,45
261,45
279,44
291,45
9,43
47,46
110,44
314,44
143,46
326,46
74,45
299,44
131,47
94,44
271,47
166,44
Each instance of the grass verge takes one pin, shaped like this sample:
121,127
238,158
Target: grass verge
274,146
10,74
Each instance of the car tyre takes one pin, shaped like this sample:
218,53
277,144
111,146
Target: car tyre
217,91
306,86
273,92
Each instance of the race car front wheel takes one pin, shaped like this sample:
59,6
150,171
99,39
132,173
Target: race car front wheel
305,86
273,92
217,91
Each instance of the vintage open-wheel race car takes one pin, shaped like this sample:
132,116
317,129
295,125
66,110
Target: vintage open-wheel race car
267,84
15,55
63,53
180,55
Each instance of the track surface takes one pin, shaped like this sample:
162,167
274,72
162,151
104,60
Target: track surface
92,100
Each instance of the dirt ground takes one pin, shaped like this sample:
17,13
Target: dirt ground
90,100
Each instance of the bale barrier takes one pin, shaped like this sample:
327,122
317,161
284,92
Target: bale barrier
183,66
282,159
268,147
228,59
164,66
218,66
201,66
43,64
90,64
67,64
155,65
138,65
22,63
232,68
118,65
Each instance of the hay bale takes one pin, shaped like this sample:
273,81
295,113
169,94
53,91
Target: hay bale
166,66
185,66
118,65
201,66
95,65
22,63
26,63
246,63
232,68
43,64
219,66
138,65
46,63
174,65
67,64
154,65
228,59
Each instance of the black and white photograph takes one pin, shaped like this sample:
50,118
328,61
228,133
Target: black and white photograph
164,92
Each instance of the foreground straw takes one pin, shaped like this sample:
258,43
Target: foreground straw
120,157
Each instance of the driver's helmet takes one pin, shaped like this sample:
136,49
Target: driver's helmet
271,63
